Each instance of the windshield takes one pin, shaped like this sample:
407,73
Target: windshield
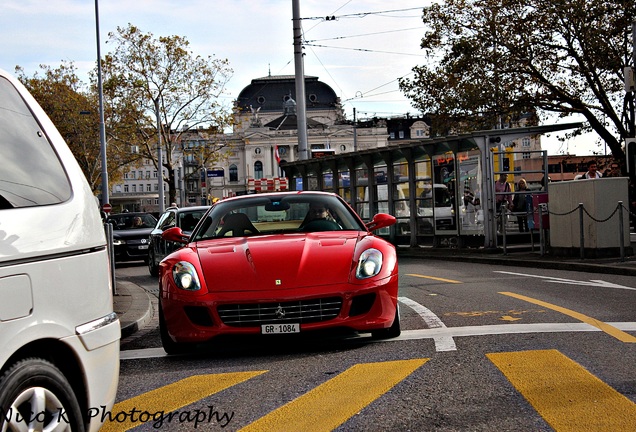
126,221
277,214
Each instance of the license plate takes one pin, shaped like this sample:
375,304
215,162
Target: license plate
143,247
280,328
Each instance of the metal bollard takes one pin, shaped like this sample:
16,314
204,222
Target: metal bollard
108,230
503,228
621,239
582,231
541,230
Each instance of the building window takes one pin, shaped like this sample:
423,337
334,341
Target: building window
147,175
525,142
125,176
257,150
156,187
132,175
258,169
134,188
401,134
148,187
526,155
343,148
154,174
125,188
233,173
392,135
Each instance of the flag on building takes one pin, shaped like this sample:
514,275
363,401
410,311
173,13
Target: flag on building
276,154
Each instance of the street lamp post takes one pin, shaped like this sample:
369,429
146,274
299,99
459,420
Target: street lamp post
159,156
102,127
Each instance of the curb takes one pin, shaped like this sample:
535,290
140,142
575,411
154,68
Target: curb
627,268
139,313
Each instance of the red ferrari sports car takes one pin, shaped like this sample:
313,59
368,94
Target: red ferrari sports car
276,263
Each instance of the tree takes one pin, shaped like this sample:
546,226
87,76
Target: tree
73,108
163,74
494,59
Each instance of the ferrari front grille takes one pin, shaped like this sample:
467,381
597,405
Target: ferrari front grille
303,311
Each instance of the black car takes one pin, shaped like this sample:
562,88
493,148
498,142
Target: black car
131,232
185,218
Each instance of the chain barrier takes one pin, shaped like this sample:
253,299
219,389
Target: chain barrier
581,208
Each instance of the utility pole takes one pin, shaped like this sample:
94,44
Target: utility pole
102,127
301,105
159,157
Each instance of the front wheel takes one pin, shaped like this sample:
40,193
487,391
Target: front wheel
153,268
391,332
35,395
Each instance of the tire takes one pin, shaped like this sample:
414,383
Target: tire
391,332
36,385
153,268
170,346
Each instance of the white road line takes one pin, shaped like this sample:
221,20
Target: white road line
442,343
441,332
506,329
592,282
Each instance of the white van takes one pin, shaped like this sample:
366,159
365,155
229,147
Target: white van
59,337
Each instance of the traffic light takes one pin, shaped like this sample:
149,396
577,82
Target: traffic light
506,164
630,154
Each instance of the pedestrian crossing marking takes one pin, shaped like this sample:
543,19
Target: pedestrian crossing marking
172,397
607,328
332,403
564,393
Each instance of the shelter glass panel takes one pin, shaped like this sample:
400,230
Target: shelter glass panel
344,188
471,219
444,187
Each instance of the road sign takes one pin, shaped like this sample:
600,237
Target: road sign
107,208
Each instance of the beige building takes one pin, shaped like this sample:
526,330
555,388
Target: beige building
265,134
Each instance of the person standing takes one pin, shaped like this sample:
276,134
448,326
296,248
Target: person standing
592,173
519,205
503,199
501,186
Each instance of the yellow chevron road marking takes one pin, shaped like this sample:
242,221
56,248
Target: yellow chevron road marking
564,393
156,404
329,405
435,278
609,329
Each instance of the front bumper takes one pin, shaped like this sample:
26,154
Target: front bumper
363,308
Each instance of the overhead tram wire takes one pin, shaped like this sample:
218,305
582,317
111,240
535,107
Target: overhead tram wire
361,14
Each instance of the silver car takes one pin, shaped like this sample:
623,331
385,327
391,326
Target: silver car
59,336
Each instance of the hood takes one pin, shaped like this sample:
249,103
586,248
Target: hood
132,233
278,262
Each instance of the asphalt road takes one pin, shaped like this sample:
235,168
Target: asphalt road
483,348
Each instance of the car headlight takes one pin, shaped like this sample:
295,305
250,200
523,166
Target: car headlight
185,276
118,242
369,264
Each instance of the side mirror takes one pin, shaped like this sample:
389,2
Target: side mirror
381,220
175,235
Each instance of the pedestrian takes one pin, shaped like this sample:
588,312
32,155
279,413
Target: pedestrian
592,173
502,203
614,170
501,186
520,206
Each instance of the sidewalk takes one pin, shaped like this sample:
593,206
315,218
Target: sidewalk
133,304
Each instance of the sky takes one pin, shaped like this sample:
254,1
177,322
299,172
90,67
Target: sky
360,54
